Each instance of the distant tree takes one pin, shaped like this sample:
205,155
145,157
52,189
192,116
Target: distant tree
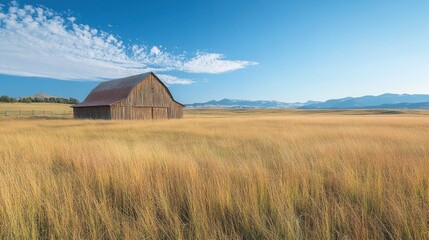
26,100
37,99
4,98
73,101
7,99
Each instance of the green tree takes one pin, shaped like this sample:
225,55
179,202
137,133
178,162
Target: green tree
26,100
73,101
4,98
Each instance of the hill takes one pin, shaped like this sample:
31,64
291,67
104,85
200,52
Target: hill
41,95
384,101
234,103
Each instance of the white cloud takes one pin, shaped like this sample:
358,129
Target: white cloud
213,63
71,19
168,79
36,41
155,50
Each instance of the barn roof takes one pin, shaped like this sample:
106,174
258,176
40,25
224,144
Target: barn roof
109,92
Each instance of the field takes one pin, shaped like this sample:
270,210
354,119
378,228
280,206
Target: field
254,174
48,110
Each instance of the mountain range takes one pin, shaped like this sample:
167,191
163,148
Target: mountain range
384,101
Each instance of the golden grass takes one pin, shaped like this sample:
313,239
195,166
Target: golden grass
277,175
35,110
33,106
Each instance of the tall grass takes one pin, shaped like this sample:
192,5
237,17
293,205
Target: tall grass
33,106
277,177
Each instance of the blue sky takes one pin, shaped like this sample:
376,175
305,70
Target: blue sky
270,50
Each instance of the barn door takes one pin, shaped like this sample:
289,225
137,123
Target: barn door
159,113
141,113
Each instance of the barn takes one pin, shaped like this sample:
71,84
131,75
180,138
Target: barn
141,96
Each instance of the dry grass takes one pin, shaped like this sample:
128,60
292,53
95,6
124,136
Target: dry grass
33,106
35,110
287,175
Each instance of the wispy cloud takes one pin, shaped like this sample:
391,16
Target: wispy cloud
169,79
36,41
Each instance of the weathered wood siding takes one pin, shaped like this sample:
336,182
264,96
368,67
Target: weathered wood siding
160,112
99,112
148,100
141,112
176,110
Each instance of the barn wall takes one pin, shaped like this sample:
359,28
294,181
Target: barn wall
148,100
91,112
149,92
119,112
176,110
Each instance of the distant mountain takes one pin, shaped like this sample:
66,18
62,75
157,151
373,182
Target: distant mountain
381,101
387,101
41,95
420,105
233,103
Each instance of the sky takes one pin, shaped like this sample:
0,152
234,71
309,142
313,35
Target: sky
283,50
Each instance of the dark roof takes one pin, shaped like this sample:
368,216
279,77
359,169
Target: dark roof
109,92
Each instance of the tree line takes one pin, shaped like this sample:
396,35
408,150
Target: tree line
8,99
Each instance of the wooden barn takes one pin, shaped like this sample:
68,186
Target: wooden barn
142,96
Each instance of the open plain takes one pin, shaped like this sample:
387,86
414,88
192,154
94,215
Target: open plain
241,174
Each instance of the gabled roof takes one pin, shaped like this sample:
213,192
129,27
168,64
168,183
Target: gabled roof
109,92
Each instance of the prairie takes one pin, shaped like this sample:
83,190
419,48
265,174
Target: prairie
33,106
35,109
216,174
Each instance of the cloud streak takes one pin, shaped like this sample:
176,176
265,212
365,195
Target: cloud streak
36,41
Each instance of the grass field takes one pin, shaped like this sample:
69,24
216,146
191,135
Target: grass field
33,106
30,110
217,175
